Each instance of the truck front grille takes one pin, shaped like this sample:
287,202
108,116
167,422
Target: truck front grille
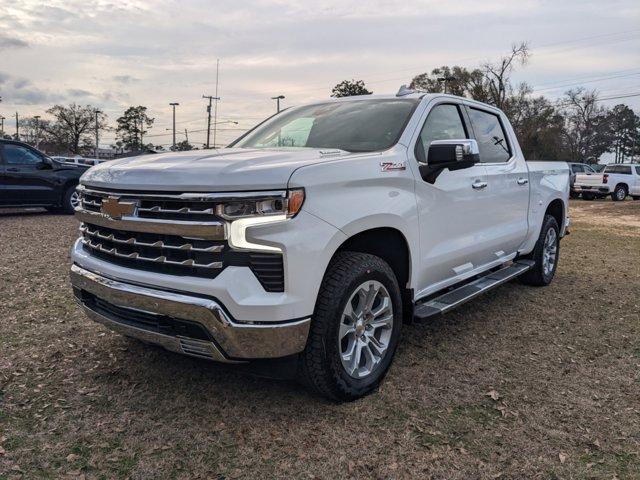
169,234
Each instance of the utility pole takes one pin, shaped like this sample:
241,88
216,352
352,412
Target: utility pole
186,135
174,105
97,112
211,98
1,126
277,99
17,128
215,108
37,119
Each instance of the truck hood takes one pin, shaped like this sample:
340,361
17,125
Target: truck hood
228,169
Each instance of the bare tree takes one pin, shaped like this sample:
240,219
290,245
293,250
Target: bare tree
498,75
587,132
73,126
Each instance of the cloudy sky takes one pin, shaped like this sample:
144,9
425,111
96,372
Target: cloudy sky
114,54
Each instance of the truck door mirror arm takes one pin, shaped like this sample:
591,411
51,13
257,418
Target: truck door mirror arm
446,154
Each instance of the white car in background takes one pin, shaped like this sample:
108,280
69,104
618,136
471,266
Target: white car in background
618,180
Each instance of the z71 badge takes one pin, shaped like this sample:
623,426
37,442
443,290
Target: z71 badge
390,166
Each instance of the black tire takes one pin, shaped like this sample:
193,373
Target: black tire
67,204
588,196
619,193
574,195
636,197
321,366
537,276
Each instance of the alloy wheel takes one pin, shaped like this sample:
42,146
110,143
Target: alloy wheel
366,326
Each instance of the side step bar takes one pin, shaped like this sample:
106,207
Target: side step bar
468,291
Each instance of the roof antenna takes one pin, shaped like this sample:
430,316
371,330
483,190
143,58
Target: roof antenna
404,90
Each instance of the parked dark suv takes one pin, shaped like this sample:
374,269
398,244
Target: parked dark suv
29,178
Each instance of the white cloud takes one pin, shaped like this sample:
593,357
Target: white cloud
116,53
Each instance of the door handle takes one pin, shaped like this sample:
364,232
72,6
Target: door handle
522,181
478,185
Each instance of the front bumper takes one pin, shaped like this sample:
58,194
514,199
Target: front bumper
167,318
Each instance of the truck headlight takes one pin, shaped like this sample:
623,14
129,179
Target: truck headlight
259,210
288,203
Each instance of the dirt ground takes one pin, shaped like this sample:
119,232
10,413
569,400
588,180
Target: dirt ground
522,383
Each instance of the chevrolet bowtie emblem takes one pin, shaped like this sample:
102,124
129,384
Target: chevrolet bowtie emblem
114,208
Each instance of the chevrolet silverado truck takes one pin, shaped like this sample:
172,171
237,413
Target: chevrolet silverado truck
318,233
617,179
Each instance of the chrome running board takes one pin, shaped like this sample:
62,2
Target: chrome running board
452,298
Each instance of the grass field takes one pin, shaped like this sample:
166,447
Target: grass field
522,383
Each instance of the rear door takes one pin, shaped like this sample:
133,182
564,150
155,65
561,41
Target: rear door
507,183
27,179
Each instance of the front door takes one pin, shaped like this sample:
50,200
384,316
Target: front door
27,179
451,210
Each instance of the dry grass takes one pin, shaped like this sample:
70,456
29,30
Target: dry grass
562,364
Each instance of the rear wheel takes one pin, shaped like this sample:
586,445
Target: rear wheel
619,193
355,328
545,255
588,196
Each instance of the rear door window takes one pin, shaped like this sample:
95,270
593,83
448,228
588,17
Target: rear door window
491,136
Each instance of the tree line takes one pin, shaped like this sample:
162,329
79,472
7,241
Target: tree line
575,128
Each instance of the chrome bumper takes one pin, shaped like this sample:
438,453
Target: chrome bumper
232,341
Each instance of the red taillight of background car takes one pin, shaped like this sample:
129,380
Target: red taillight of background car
605,177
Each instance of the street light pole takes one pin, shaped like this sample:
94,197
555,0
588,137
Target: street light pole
1,126
174,105
277,99
445,80
17,127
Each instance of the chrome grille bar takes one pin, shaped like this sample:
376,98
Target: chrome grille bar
193,230
188,247
136,256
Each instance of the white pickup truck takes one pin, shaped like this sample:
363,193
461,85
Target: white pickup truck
318,233
617,179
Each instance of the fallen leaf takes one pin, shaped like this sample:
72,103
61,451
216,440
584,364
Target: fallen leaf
563,457
493,394
72,457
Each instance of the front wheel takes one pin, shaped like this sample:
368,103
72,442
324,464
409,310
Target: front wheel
545,255
355,327
70,200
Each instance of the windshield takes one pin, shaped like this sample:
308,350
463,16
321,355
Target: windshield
355,126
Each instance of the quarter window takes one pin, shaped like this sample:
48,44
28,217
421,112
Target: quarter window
638,170
491,137
443,123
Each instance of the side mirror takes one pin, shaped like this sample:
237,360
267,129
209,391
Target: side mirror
46,164
448,154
